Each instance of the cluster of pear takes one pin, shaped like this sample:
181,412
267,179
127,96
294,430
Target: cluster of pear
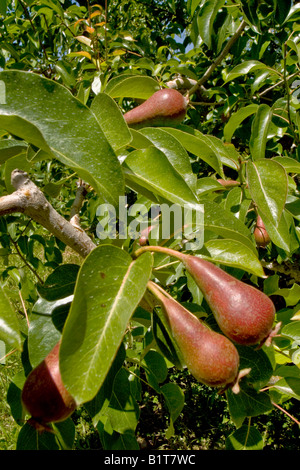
244,314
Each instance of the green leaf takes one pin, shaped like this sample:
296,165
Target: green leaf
155,368
111,121
279,233
257,360
100,402
199,145
247,403
108,289
225,224
268,186
42,337
206,18
45,114
10,148
246,67
174,151
292,330
283,8
259,131
249,8
245,438
236,254
123,410
152,170
131,86
9,326
289,386
30,439
290,164
174,397
236,119
60,283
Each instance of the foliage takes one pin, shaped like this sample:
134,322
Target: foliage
69,72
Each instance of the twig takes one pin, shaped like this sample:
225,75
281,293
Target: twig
24,308
219,59
286,412
29,200
8,354
25,261
77,204
286,268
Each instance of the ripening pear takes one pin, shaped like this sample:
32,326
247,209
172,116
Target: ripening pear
166,107
244,313
210,357
44,395
260,233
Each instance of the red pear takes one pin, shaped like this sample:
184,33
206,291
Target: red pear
166,107
210,357
44,395
260,233
244,313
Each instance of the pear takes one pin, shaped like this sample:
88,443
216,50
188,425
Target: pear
260,233
244,313
166,107
44,395
210,357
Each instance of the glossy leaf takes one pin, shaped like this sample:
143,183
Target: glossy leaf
111,121
236,119
236,254
279,233
199,145
248,66
151,169
250,11
131,86
108,289
292,330
174,151
206,19
259,131
268,185
290,164
225,224
45,114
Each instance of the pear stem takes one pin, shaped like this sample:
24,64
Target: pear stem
161,249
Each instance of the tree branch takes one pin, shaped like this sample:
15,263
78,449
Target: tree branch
29,200
219,59
77,204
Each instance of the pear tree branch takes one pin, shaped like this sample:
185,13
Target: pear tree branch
219,59
77,204
29,200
